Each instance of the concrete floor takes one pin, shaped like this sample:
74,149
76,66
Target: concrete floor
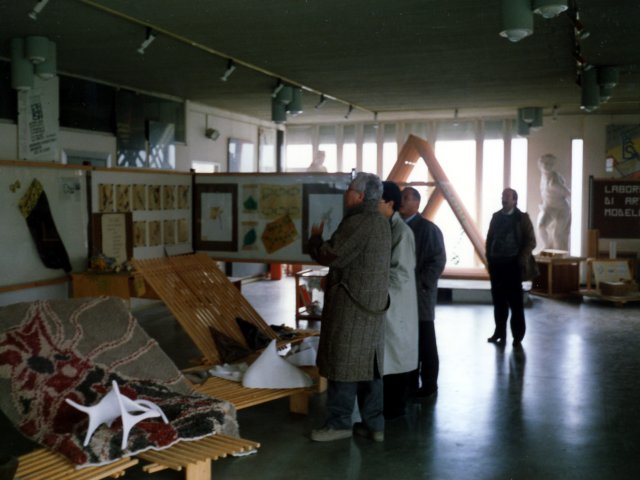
566,407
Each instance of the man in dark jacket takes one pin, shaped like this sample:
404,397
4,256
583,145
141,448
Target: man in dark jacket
430,260
510,241
350,354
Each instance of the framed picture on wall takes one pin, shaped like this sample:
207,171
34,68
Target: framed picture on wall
321,203
216,226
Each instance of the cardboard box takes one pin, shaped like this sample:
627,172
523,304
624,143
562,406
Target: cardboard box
618,289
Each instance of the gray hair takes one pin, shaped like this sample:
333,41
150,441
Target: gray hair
368,183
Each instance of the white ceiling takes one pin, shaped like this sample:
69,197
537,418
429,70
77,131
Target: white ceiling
400,58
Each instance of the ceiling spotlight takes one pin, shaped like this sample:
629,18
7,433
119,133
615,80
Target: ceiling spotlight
231,66
150,37
294,107
590,98
349,110
549,8
278,111
322,101
608,76
33,14
529,118
517,19
580,32
279,86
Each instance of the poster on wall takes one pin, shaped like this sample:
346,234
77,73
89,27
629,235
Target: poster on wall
615,207
112,236
623,149
322,204
38,127
216,225
265,217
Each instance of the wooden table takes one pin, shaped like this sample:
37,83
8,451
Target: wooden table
559,276
123,285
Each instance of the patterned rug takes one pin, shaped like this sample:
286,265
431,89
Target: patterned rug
58,349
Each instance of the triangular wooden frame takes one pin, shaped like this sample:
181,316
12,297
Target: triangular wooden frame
416,148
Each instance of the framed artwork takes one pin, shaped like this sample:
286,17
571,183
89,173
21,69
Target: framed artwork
123,198
139,197
240,156
183,197
216,226
183,230
155,233
168,197
112,235
320,204
140,233
169,232
105,197
154,197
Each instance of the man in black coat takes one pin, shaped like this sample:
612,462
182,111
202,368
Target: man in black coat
510,241
430,260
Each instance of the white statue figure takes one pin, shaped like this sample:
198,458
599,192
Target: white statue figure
554,220
114,405
317,165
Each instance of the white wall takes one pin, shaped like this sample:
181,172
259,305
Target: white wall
8,141
230,125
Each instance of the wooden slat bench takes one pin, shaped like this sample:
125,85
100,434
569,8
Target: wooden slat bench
200,297
195,457
243,397
43,464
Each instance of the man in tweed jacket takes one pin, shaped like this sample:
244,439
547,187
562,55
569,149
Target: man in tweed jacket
350,354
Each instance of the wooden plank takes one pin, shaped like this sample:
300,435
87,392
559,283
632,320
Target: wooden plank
189,455
411,151
243,397
36,284
43,464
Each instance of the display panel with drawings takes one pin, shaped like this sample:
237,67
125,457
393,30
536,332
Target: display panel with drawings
159,203
265,217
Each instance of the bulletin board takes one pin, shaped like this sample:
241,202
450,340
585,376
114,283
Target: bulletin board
265,217
614,207
66,192
158,201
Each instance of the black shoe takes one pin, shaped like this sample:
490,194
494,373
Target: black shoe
424,394
495,339
393,414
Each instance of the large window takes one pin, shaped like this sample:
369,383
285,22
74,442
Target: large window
458,160
477,181
492,178
576,197
389,149
349,151
519,161
299,151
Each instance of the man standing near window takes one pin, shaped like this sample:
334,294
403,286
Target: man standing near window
510,241
430,260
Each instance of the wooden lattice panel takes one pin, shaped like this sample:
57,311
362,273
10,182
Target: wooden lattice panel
184,455
200,296
44,464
